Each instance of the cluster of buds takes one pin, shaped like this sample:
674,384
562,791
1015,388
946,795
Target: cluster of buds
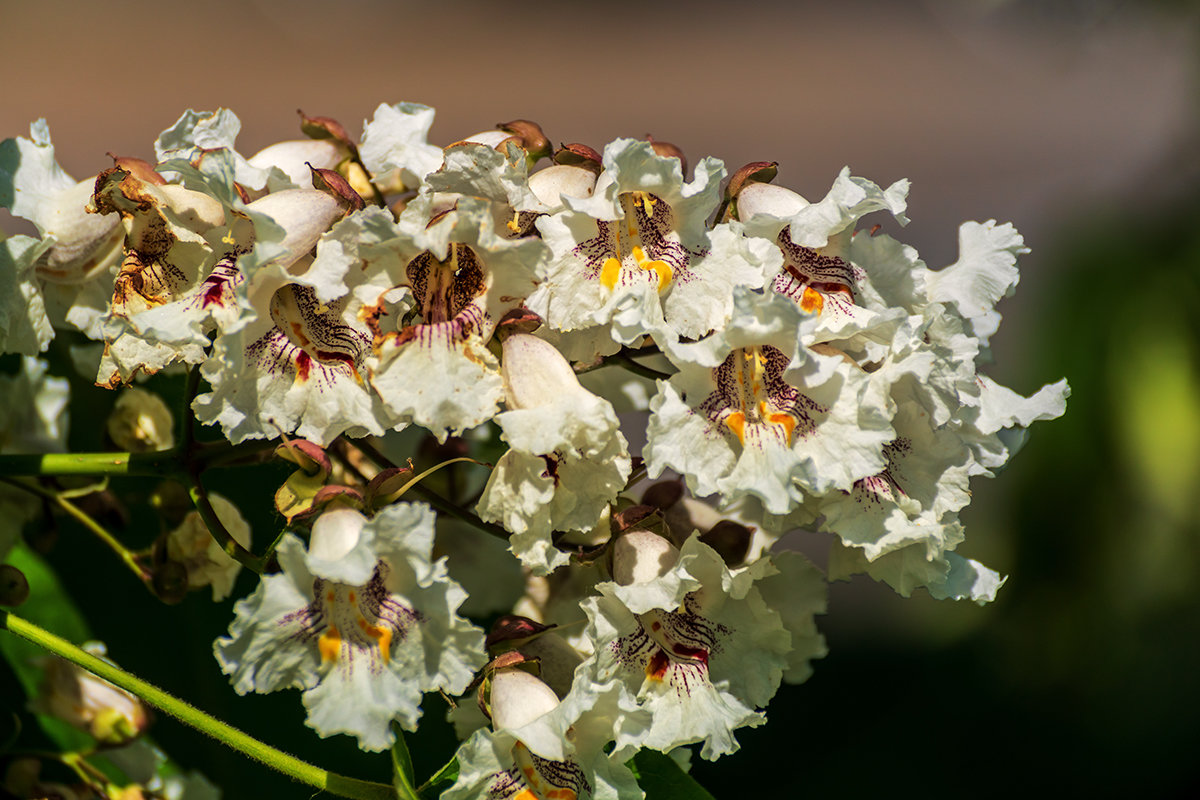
785,369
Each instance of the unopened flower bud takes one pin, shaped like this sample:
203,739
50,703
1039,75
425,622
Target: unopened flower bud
535,373
767,198
579,155
754,172
552,184
326,128
143,170
668,150
556,658
84,243
532,138
518,698
385,485
335,533
664,494
641,556
519,320
309,456
296,158
112,715
140,422
304,214
730,539
14,588
328,180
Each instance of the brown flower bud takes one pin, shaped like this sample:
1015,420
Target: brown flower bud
754,172
387,483
334,184
170,582
532,138
512,629
519,320
309,456
326,128
668,150
579,155
14,588
143,170
663,495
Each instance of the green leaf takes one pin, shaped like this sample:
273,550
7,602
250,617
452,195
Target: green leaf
402,769
662,779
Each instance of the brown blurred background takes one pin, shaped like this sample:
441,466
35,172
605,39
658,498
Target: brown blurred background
1075,120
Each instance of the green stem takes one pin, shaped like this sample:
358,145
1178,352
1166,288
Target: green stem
626,362
163,463
429,496
217,528
289,765
625,359
85,519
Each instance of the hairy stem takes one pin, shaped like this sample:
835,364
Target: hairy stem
291,766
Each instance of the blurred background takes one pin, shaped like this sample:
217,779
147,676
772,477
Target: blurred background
1075,120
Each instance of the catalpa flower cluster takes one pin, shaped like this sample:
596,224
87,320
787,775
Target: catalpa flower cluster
786,364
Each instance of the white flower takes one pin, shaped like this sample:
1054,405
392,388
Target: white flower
301,368
753,412
543,748
395,144
947,577
110,714
568,459
432,366
65,278
363,622
165,254
695,643
636,254
814,240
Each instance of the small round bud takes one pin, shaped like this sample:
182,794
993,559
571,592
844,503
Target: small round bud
170,582
553,183
519,698
14,588
641,556
535,373
335,533
140,422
